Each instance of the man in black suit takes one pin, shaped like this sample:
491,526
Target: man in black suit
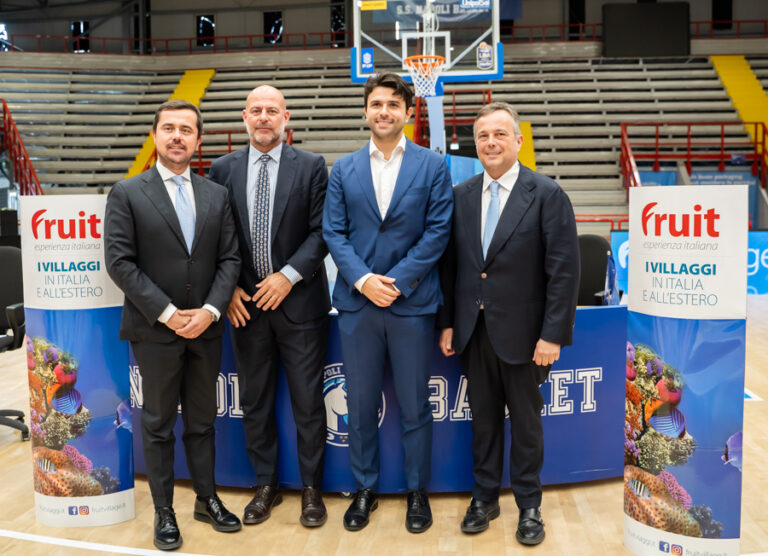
170,246
280,306
511,278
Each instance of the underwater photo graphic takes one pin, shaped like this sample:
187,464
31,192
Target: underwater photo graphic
77,428
683,421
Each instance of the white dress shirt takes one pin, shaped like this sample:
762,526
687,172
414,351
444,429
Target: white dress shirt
506,183
384,174
273,165
170,186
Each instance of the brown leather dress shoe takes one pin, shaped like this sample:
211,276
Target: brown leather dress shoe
260,507
313,512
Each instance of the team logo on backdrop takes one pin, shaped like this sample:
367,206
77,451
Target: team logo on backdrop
336,414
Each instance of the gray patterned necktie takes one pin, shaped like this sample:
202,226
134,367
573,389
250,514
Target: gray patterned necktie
184,212
260,227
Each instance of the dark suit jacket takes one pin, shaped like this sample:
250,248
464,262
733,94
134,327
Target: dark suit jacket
529,281
297,220
147,258
406,245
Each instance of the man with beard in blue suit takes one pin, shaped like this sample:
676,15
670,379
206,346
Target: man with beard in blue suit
386,222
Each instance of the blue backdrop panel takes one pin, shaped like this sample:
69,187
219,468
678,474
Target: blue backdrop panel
584,406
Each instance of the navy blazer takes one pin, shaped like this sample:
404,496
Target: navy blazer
528,283
146,255
296,229
405,245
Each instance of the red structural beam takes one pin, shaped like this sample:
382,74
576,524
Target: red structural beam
23,173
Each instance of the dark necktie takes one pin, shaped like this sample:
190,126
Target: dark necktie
260,228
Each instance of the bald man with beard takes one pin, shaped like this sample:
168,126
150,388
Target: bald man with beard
279,310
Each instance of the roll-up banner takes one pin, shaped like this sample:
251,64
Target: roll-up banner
80,412
685,369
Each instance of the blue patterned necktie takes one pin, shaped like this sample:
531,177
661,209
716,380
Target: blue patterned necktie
491,217
184,212
260,228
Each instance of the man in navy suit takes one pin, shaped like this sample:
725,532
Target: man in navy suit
386,222
170,246
510,278
279,310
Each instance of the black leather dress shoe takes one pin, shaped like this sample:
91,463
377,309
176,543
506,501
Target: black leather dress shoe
167,536
356,516
211,510
479,515
418,517
260,507
313,512
530,527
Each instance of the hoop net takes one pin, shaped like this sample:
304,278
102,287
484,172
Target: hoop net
425,70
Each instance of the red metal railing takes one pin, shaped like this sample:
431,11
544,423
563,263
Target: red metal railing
662,145
205,152
615,220
747,28
23,173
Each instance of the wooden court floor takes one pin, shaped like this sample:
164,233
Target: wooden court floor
580,519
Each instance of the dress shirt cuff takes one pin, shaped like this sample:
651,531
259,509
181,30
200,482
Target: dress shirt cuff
361,281
214,311
289,272
167,313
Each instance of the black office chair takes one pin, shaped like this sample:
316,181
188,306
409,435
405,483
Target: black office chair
594,251
12,320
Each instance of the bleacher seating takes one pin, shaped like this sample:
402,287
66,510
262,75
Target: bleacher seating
81,127
86,127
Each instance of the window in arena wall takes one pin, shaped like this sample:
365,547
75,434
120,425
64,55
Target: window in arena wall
273,27
338,25
205,30
3,38
80,31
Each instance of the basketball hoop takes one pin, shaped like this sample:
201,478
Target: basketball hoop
425,70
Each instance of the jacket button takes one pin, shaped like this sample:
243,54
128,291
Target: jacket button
188,286
381,228
483,276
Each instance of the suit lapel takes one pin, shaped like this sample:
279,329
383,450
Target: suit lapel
520,199
285,177
362,165
238,180
155,190
410,166
471,220
202,206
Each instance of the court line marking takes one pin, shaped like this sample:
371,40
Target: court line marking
85,545
751,397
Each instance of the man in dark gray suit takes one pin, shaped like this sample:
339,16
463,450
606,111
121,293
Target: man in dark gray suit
170,246
279,311
510,278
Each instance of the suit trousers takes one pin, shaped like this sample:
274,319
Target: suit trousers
183,371
369,337
268,339
494,385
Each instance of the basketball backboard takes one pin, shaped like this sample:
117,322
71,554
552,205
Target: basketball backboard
464,32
